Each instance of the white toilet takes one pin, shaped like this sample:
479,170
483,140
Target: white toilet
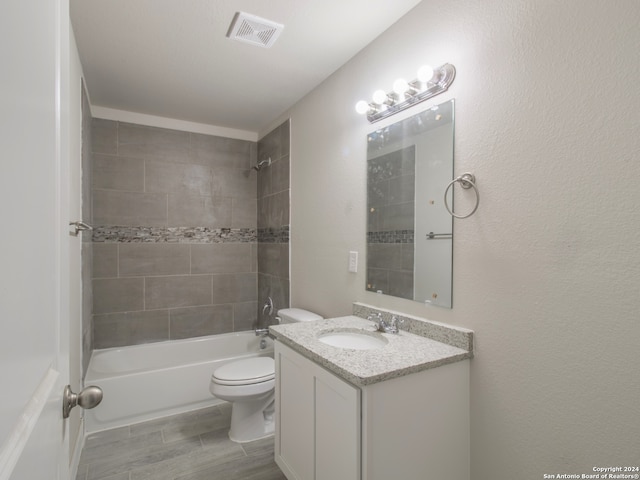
249,384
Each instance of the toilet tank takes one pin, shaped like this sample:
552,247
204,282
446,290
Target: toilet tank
295,315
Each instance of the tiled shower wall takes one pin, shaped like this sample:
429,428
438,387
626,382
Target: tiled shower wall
175,251
87,245
273,221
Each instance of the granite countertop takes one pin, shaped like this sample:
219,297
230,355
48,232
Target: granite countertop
404,353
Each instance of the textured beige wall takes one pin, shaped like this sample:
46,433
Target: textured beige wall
547,272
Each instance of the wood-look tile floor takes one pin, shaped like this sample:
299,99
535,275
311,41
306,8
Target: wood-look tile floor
190,446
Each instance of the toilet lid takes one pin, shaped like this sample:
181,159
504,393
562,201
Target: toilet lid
246,372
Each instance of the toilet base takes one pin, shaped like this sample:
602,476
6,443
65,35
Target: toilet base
252,420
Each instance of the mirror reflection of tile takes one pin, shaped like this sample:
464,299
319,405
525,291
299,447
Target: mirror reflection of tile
409,232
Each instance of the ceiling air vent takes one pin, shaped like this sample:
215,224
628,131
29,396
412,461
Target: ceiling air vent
254,30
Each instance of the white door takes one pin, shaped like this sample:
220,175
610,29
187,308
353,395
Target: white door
34,292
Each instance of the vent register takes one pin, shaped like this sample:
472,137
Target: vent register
254,30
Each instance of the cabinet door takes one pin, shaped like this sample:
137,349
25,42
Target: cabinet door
294,448
317,421
337,428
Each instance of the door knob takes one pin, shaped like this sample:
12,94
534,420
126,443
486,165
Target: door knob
88,398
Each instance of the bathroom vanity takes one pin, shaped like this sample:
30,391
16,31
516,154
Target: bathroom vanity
396,409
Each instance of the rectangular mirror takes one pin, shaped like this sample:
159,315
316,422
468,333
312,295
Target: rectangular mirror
409,231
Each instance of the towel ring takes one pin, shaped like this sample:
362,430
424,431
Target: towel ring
466,181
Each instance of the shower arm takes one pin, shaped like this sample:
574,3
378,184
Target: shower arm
262,162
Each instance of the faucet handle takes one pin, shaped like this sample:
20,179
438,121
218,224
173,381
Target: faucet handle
395,323
376,318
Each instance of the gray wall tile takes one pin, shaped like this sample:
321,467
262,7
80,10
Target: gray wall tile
407,256
280,175
118,173
273,212
104,136
245,316
377,279
177,291
221,152
198,321
221,258
87,303
278,215
87,245
401,283
196,210
169,177
117,295
126,208
264,206
231,182
397,217
402,189
153,259
149,177
275,287
273,259
271,145
86,162
377,193
234,288
151,142
384,255
254,257
105,260
263,181
131,328
244,212
285,138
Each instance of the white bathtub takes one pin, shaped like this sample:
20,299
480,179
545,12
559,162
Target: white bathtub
144,382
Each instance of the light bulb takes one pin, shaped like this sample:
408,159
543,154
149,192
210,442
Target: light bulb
379,97
400,86
425,73
362,107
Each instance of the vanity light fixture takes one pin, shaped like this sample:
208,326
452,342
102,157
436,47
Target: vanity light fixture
429,82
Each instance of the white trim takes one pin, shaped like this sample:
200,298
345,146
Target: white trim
172,123
21,432
77,451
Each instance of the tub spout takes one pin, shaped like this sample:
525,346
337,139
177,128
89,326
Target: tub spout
262,332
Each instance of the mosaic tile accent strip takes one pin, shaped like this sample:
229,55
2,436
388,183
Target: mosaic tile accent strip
440,332
391,236
126,234
274,235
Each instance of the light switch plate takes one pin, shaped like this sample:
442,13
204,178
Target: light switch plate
353,262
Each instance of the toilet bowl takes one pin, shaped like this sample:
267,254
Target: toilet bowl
249,385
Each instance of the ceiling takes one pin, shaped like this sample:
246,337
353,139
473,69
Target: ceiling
172,58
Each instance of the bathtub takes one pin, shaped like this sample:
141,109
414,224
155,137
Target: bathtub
144,382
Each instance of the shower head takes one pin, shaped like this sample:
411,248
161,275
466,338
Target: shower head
262,163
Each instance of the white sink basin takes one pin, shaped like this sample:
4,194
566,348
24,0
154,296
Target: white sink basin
353,339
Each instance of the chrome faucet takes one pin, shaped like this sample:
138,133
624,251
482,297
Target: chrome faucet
376,318
382,325
267,310
262,332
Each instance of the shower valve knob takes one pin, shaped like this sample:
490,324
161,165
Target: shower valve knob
89,397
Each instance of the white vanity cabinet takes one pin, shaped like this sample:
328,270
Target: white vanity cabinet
412,427
317,421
